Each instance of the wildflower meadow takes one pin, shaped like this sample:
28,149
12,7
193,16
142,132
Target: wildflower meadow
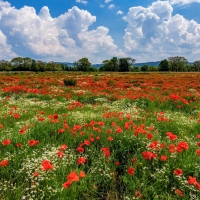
99,136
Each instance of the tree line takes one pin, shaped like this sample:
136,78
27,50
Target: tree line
175,64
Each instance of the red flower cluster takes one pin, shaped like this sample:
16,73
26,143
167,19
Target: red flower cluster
106,151
193,181
81,160
171,136
149,155
181,146
33,142
46,165
73,177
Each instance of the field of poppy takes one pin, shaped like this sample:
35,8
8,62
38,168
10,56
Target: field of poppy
110,136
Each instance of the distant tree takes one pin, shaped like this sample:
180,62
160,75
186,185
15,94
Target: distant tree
117,64
52,66
177,63
21,64
124,65
92,69
144,68
106,62
75,65
152,68
5,65
83,64
135,69
114,64
164,65
110,65
40,66
27,63
196,65
131,60
17,63
33,65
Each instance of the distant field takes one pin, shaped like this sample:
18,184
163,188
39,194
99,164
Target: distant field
99,136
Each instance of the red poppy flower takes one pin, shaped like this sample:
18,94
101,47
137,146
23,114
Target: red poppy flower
4,163
98,137
73,177
82,174
33,142
179,192
150,136
60,154
163,158
182,146
6,142
18,144
110,138
172,148
131,170
61,130
198,152
35,174
40,119
67,184
46,165
106,151
80,149
149,155
81,160
117,163
16,116
137,194
178,172
87,142
63,147
192,180
118,129
171,136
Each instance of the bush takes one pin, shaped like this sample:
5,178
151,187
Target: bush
70,82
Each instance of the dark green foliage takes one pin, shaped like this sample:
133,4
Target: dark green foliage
177,64
135,69
144,68
152,69
124,65
82,64
70,82
117,64
195,66
164,65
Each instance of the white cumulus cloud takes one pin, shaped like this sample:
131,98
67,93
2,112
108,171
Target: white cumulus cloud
183,2
65,38
111,6
82,1
153,32
107,1
119,12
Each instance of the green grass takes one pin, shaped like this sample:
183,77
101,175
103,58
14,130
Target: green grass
104,179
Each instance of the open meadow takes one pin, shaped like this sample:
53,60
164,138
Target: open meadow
99,136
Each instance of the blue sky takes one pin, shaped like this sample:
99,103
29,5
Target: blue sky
67,30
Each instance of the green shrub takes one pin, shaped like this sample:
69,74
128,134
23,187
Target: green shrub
70,82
